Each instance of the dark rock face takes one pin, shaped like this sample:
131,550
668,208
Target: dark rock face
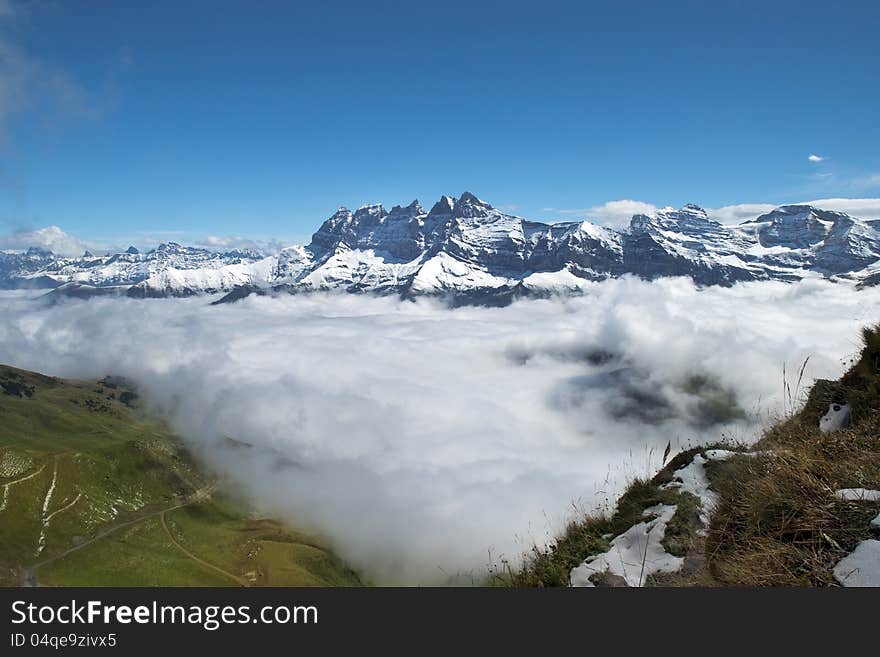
16,388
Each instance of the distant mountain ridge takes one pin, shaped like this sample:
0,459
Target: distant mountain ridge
465,249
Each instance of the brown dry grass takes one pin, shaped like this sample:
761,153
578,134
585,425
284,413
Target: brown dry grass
779,522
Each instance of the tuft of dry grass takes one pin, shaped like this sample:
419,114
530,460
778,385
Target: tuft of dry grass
779,522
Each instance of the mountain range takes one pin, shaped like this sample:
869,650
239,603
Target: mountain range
470,252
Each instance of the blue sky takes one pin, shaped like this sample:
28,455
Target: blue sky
131,120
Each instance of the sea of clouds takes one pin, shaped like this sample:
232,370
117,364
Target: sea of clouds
424,442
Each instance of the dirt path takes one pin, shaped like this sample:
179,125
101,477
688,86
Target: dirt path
29,575
238,580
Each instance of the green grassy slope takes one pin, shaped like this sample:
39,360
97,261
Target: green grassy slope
93,494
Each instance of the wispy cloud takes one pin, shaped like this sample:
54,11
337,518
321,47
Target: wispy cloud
863,208
868,181
841,181
736,214
230,242
815,158
9,9
29,83
566,211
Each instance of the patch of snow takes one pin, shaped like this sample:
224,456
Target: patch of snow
635,554
692,479
556,282
63,508
858,495
41,543
861,567
720,454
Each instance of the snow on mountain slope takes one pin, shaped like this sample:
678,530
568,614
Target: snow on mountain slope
444,274
464,247
686,241
173,282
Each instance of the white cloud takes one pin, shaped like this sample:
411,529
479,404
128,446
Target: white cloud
51,237
736,214
417,438
815,158
617,214
863,208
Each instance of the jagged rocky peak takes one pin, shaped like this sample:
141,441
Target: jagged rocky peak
370,214
132,251
688,213
443,207
87,254
693,209
469,206
38,252
414,209
328,235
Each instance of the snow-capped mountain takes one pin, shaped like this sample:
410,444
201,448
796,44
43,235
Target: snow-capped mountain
467,250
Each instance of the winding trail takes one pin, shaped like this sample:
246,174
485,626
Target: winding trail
29,575
238,580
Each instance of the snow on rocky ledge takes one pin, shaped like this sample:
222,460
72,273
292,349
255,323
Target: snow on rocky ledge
638,552
635,554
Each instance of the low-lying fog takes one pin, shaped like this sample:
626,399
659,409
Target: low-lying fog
421,440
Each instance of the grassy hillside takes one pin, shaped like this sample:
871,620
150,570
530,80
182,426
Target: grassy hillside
91,493
777,518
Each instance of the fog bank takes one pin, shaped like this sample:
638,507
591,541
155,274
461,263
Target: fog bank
420,439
